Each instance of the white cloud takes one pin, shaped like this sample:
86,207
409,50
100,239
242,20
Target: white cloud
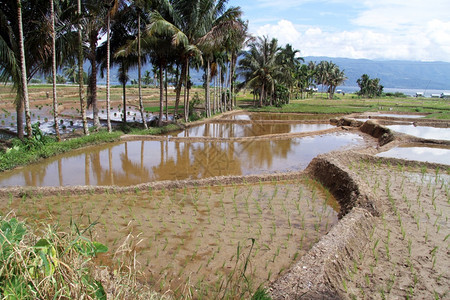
284,31
427,41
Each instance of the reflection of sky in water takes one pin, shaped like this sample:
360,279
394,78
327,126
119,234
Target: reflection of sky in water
425,154
423,131
135,162
398,116
441,177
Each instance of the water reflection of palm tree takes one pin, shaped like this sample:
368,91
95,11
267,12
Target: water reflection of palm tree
197,160
261,153
35,176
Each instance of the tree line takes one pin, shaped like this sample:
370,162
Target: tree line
175,36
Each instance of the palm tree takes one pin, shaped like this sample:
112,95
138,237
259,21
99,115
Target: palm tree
290,63
80,71
138,4
112,7
335,78
22,51
23,70
259,66
55,103
196,26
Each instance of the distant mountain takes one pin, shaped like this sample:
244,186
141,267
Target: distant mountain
394,73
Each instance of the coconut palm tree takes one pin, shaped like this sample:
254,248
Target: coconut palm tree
139,4
290,62
196,26
23,70
335,78
259,66
112,7
80,71
55,102
24,48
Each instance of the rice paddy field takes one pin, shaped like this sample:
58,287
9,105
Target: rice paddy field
195,240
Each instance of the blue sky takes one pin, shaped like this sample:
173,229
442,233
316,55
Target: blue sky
375,29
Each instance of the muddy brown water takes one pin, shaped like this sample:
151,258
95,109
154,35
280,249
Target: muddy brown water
246,116
439,155
424,132
134,162
230,130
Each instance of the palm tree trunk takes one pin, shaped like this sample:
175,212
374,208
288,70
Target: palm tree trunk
186,97
124,85
207,89
55,103
233,71
178,89
165,87
108,54
80,74
219,87
19,117
214,108
261,95
141,104
230,85
161,95
92,88
23,69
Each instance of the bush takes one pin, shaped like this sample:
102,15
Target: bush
55,265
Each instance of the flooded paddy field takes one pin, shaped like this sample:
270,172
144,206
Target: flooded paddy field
432,154
425,132
232,130
134,162
191,239
195,237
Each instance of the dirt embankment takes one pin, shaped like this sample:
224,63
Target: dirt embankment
392,240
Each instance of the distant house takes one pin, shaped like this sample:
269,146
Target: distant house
419,94
435,96
445,95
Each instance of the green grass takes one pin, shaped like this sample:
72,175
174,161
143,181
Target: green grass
24,153
314,108
439,116
156,108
